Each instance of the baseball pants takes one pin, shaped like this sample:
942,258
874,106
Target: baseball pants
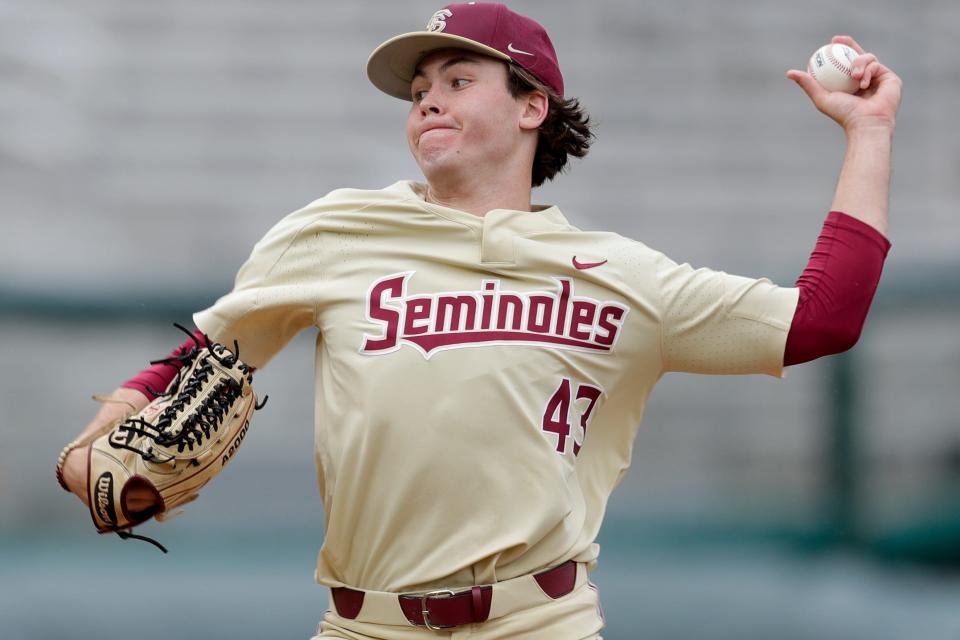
575,616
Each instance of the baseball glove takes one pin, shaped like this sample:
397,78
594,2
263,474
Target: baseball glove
172,447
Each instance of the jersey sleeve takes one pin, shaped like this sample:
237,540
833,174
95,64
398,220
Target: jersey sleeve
716,323
276,293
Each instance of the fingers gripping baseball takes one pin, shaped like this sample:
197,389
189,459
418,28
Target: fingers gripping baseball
865,66
877,91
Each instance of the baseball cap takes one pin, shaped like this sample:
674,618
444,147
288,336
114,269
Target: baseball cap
488,28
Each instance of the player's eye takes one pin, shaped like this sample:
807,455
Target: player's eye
456,83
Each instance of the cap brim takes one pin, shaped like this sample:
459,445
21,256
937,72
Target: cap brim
391,65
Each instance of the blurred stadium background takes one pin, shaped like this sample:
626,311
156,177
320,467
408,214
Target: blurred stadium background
144,147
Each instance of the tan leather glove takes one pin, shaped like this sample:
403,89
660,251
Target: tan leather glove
174,445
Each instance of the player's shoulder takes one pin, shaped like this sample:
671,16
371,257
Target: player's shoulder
299,238
341,210
356,198
347,201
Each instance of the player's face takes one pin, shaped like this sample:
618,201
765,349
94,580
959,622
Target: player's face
463,118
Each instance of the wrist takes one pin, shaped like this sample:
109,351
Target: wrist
74,472
870,127
72,469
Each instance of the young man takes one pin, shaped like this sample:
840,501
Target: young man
483,365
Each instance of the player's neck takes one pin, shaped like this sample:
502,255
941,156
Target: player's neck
479,197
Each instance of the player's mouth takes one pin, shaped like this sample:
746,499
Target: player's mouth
434,128
438,130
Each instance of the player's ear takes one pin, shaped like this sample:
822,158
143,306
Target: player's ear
536,106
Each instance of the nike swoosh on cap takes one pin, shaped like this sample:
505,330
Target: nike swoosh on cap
512,50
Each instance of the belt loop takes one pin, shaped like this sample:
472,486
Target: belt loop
479,615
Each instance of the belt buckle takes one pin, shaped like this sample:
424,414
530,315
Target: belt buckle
441,594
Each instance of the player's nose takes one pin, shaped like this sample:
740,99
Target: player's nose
431,102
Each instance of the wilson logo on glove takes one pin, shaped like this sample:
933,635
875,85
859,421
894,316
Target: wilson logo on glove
104,499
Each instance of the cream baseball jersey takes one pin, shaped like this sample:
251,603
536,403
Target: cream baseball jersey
479,380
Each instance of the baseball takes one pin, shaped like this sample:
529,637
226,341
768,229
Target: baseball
832,65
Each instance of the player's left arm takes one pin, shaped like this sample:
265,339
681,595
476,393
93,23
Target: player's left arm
868,118
837,287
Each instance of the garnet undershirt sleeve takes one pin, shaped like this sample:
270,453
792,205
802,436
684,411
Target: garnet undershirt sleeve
836,289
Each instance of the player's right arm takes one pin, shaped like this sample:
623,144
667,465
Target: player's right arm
274,297
132,396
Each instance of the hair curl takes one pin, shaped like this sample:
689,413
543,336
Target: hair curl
565,132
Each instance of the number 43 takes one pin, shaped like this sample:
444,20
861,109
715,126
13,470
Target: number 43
556,417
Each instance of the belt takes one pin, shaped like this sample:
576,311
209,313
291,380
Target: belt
446,608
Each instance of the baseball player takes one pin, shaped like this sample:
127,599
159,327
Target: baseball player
482,365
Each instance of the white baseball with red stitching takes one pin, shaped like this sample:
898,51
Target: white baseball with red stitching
832,65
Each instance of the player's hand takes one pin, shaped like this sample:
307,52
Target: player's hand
75,473
119,404
874,105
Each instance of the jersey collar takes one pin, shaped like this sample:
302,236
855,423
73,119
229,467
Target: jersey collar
542,218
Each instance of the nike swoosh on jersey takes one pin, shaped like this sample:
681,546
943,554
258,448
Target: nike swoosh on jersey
587,265
512,50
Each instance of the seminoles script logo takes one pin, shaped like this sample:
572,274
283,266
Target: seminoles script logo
488,316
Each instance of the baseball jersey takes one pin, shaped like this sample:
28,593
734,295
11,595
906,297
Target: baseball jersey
479,380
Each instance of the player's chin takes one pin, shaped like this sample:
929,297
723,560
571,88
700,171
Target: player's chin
433,145
435,158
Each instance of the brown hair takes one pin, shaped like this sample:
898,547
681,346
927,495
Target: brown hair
565,132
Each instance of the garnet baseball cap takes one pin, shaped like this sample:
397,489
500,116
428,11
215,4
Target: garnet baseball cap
487,28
